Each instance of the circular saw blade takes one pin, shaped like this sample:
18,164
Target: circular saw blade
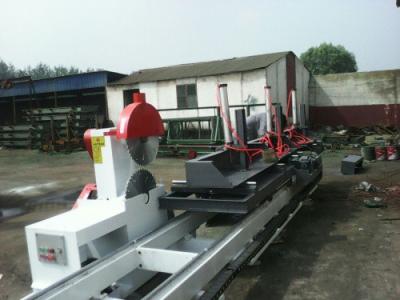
143,150
141,182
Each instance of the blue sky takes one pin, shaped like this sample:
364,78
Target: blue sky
124,35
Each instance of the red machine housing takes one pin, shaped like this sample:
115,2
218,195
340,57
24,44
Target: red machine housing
139,119
87,140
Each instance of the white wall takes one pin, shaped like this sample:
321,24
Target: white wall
150,89
253,84
115,101
243,88
115,96
358,88
302,82
276,79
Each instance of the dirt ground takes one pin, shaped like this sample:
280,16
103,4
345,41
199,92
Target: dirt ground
335,248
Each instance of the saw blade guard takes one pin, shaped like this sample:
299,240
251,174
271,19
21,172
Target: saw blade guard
139,120
140,125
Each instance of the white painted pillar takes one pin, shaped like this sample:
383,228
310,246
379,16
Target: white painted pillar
268,104
223,90
294,108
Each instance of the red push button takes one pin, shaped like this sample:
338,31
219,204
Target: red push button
51,257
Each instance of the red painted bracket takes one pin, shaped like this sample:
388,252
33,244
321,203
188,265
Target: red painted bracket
87,140
85,194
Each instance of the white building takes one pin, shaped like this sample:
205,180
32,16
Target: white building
194,85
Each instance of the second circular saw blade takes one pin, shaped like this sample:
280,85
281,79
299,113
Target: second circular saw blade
141,182
143,150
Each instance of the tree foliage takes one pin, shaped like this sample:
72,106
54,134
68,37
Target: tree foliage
328,58
6,70
40,71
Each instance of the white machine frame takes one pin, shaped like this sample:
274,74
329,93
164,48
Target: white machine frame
97,227
109,247
175,249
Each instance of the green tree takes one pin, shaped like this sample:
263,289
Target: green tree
328,58
61,71
6,70
39,71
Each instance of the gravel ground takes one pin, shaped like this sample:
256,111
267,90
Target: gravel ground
335,248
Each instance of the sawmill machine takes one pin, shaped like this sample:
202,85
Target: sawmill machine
121,238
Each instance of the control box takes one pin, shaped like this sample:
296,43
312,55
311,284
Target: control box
51,248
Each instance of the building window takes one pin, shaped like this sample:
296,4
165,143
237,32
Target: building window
128,96
187,95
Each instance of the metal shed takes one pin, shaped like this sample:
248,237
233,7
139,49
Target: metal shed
71,90
188,90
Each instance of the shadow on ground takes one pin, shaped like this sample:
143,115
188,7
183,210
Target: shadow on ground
15,205
292,260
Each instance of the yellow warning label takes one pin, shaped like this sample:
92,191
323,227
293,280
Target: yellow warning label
97,143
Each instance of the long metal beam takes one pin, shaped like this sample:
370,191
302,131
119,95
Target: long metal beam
189,282
90,281
191,270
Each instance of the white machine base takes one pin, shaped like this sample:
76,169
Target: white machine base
174,249
95,229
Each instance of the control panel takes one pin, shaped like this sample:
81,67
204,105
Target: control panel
51,248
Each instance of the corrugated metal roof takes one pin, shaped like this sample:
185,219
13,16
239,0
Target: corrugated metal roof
62,84
216,67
